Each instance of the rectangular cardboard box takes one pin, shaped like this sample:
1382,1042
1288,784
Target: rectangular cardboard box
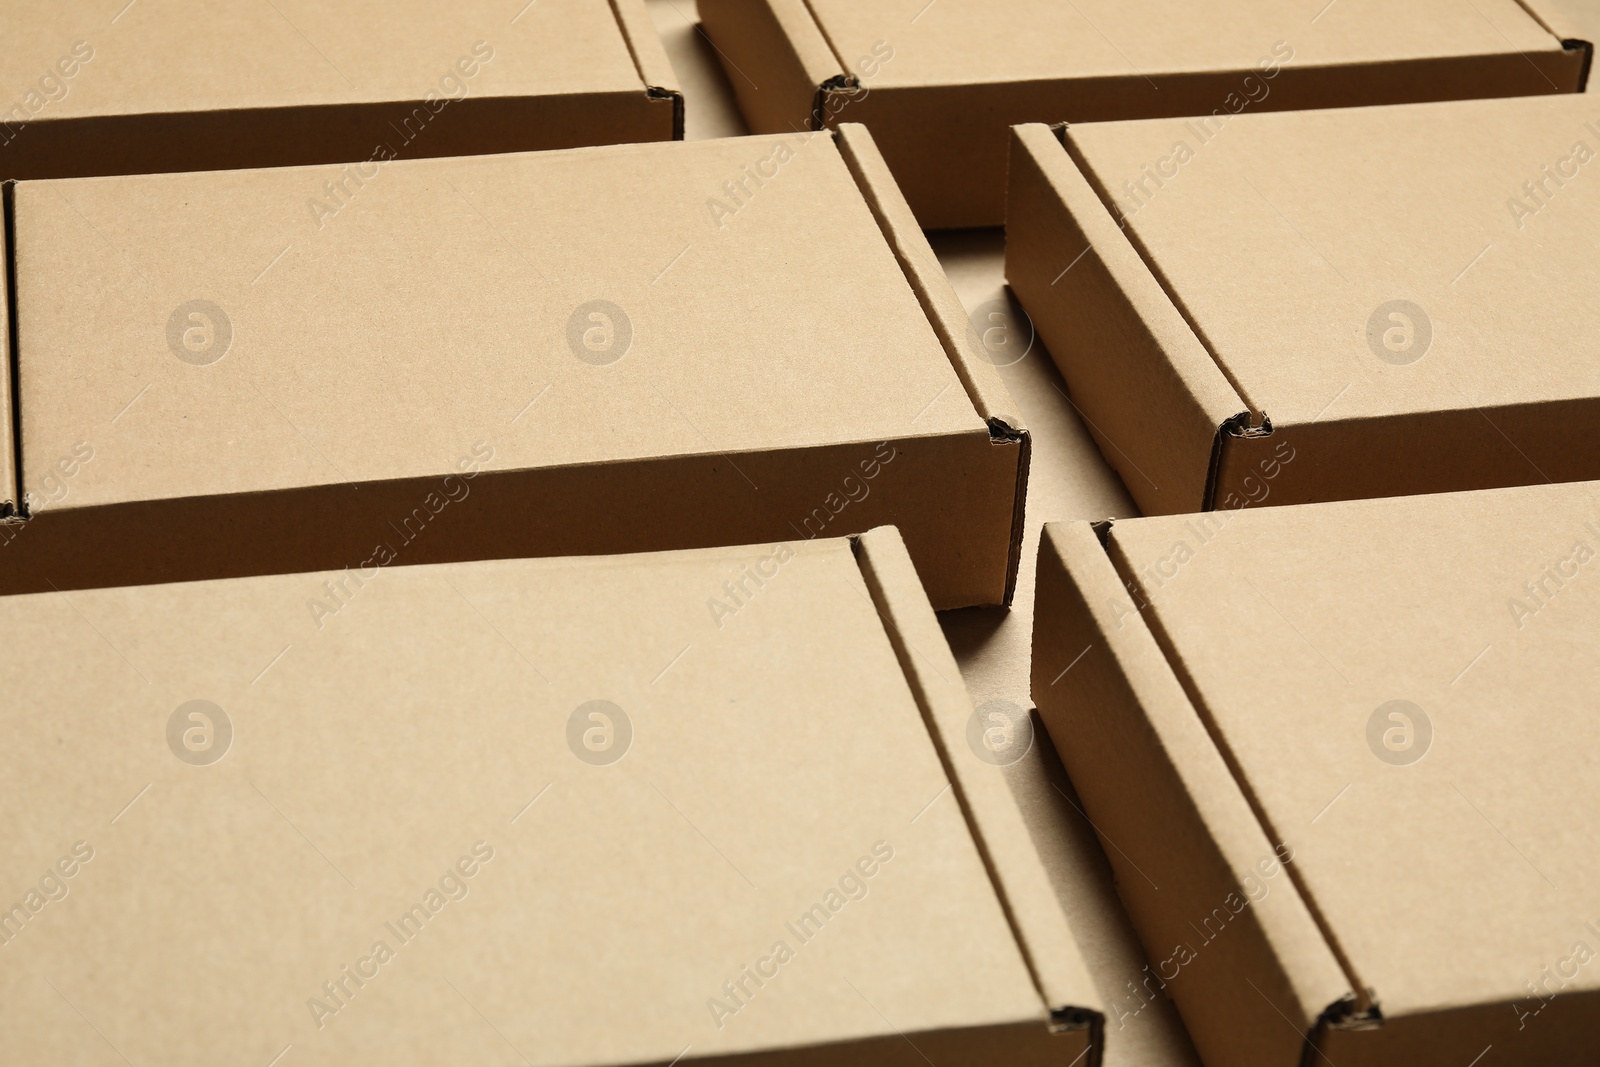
1321,305
1352,744
473,820
939,83
586,351
163,86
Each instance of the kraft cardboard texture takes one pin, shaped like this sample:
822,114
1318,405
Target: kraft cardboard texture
1400,295
520,827
1427,793
159,86
939,84
644,356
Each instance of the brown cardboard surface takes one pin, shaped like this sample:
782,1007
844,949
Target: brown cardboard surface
710,109
156,87
1289,243
939,83
1439,851
434,326
9,496
1067,478
612,883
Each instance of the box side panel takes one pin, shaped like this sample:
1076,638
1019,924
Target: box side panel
1149,391
343,133
1008,851
1229,937
776,58
1415,453
650,57
980,377
10,438
951,496
1546,1029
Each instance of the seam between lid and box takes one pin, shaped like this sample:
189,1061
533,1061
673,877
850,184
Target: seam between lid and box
1562,32
1056,968
649,57
1366,1009
944,312
1145,760
13,503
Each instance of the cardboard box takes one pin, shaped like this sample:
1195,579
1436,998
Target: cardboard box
1351,743
637,358
158,86
1321,305
939,83
473,819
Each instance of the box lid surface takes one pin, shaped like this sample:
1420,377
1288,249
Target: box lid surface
565,307
161,56
1349,264
976,41
1443,840
438,712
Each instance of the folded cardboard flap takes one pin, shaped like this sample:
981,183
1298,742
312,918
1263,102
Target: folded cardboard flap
1247,370
1129,358
10,442
1178,830
978,375
650,57
747,763
939,91
805,413
1009,854
260,88
779,42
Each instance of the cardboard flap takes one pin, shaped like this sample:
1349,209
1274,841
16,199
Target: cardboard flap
1013,862
776,58
1147,388
978,374
1576,23
1201,879
10,440
650,56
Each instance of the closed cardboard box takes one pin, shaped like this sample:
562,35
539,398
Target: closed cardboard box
1321,305
1352,744
938,83
163,85
544,811
611,349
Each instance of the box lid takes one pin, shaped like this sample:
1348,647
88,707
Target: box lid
568,307
953,42
1356,264
159,56
1401,689
619,862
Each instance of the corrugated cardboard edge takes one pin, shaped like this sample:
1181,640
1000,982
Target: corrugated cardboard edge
779,43
10,405
1020,880
1153,397
1155,784
1574,36
946,314
650,57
